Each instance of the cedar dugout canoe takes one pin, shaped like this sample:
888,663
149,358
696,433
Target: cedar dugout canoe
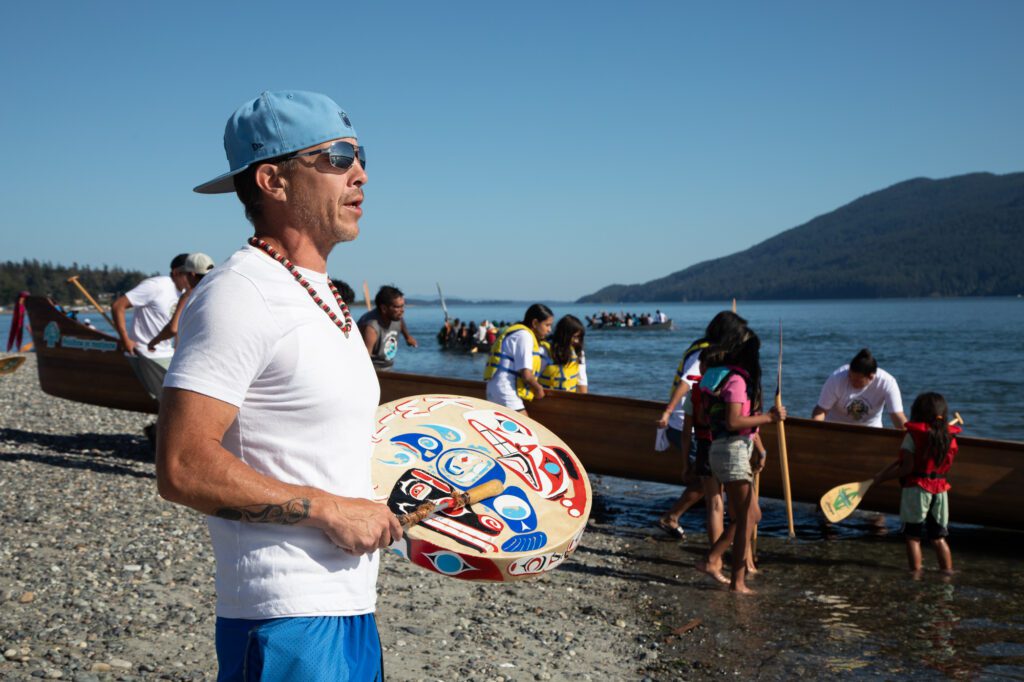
610,435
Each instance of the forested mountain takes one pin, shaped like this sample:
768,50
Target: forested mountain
961,236
51,280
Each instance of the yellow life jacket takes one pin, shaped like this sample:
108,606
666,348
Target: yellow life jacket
696,347
500,362
560,377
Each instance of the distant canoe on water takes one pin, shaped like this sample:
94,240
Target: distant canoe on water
653,327
610,435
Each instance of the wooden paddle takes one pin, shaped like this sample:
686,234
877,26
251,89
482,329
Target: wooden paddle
457,501
443,306
783,455
839,502
366,295
74,280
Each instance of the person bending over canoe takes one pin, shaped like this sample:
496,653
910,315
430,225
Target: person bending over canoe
857,392
268,408
381,326
514,361
154,300
563,362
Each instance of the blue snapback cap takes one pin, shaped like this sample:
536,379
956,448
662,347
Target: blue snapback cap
275,124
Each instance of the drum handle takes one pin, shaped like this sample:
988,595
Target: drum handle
458,500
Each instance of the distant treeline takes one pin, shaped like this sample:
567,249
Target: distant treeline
51,280
961,236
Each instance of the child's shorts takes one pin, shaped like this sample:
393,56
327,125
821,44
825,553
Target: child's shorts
925,515
730,459
702,463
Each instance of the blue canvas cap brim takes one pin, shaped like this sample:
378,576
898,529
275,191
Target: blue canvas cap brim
273,125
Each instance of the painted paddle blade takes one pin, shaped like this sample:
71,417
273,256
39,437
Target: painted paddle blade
11,363
840,502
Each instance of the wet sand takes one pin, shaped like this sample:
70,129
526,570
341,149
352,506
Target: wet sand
100,579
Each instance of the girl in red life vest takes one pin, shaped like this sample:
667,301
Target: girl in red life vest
926,456
731,391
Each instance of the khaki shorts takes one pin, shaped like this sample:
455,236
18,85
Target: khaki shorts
917,504
730,459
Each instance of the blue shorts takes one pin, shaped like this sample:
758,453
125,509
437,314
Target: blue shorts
317,648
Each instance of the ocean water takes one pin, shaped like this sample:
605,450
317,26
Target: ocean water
970,350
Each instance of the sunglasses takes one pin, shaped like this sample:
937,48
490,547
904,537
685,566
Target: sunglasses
342,155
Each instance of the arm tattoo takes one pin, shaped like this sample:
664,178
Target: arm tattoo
289,513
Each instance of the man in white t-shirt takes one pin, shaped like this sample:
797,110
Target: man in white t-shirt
268,407
153,301
856,394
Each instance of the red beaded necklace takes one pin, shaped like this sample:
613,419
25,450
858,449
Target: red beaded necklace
345,326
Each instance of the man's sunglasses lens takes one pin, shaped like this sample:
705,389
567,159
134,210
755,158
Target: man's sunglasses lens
343,154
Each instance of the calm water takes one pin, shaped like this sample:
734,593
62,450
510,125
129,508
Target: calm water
970,350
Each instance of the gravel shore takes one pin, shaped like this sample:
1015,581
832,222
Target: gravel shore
100,579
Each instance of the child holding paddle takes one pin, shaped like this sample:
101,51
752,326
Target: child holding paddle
731,391
926,455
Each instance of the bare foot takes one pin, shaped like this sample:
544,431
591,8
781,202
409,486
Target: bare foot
741,588
714,571
916,574
752,568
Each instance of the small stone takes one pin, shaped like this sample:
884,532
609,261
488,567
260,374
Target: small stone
120,663
54,674
10,653
620,623
100,668
132,568
27,597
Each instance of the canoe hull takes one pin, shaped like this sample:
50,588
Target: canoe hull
615,436
81,364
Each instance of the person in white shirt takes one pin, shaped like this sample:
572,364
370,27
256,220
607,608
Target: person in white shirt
154,300
268,407
857,393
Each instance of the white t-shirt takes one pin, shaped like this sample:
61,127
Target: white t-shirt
848,405
153,301
501,388
306,396
690,368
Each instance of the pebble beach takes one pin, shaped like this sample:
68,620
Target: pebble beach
100,579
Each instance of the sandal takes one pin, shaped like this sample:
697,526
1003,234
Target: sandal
675,531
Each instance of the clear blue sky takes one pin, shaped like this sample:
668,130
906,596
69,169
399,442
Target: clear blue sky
516,150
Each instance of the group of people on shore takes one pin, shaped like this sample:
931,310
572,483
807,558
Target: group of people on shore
624,319
712,417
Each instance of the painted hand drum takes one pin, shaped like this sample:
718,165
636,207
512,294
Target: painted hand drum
430,446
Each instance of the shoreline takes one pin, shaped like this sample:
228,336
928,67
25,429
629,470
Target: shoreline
100,579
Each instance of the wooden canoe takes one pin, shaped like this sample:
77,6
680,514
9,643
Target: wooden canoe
615,436
653,327
611,435
82,364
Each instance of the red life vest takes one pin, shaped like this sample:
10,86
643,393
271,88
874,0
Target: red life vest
701,423
928,474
